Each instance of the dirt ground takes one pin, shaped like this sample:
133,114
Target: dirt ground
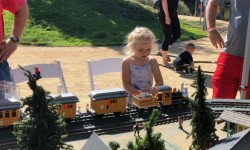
74,66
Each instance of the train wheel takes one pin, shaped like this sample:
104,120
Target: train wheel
99,116
67,120
117,114
138,110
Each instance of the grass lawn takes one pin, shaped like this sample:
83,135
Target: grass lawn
91,22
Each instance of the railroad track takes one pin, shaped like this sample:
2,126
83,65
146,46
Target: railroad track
121,127
219,105
8,144
84,128
230,105
84,124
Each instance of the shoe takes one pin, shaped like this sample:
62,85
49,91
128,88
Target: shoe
168,65
160,54
168,58
178,70
189,74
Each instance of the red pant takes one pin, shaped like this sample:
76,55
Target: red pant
227,76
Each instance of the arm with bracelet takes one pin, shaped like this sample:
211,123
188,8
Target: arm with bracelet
213,35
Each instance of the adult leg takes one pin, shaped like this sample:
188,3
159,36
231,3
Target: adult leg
5,71
226,79
248,91
167,32
176,30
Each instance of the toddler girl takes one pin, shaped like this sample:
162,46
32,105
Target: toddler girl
139,69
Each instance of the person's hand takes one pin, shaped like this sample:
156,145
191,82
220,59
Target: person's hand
154,91
6,49
167,20
216,39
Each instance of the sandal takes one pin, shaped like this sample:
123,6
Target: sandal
168,65
168,58
159,54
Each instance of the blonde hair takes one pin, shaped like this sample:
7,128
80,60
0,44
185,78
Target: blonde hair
140,34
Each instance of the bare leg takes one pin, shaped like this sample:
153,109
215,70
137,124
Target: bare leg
165,57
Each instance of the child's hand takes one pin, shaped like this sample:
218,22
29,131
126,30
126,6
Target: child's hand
140,92
154,91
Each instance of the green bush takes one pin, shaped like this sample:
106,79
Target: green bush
182,8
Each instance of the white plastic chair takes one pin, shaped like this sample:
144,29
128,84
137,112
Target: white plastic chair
103,66
52,70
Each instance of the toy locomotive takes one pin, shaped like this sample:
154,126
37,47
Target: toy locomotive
114,100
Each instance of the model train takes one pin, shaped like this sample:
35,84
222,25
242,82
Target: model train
101,102
116,100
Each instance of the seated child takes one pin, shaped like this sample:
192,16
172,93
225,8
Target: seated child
185,59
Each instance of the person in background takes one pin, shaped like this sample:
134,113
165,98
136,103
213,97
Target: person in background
136,129
170,26
139,69
185,59
20,10
227,77
180,121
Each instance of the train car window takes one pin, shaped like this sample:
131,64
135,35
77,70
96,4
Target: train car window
65,106
7,114
167,95
113,101
70,106
1,114
13,113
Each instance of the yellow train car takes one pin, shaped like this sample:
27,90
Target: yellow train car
145,101
107,101
165,95
68,104
9,111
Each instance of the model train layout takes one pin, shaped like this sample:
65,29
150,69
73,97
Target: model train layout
101,102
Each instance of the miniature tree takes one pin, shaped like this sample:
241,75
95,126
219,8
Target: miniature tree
203,124
151,141
41,127
114,145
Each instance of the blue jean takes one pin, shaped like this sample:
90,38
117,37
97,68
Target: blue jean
5,71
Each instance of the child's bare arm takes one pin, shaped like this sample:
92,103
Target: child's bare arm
157,73
126,78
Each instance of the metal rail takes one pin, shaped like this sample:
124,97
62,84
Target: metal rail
171,116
